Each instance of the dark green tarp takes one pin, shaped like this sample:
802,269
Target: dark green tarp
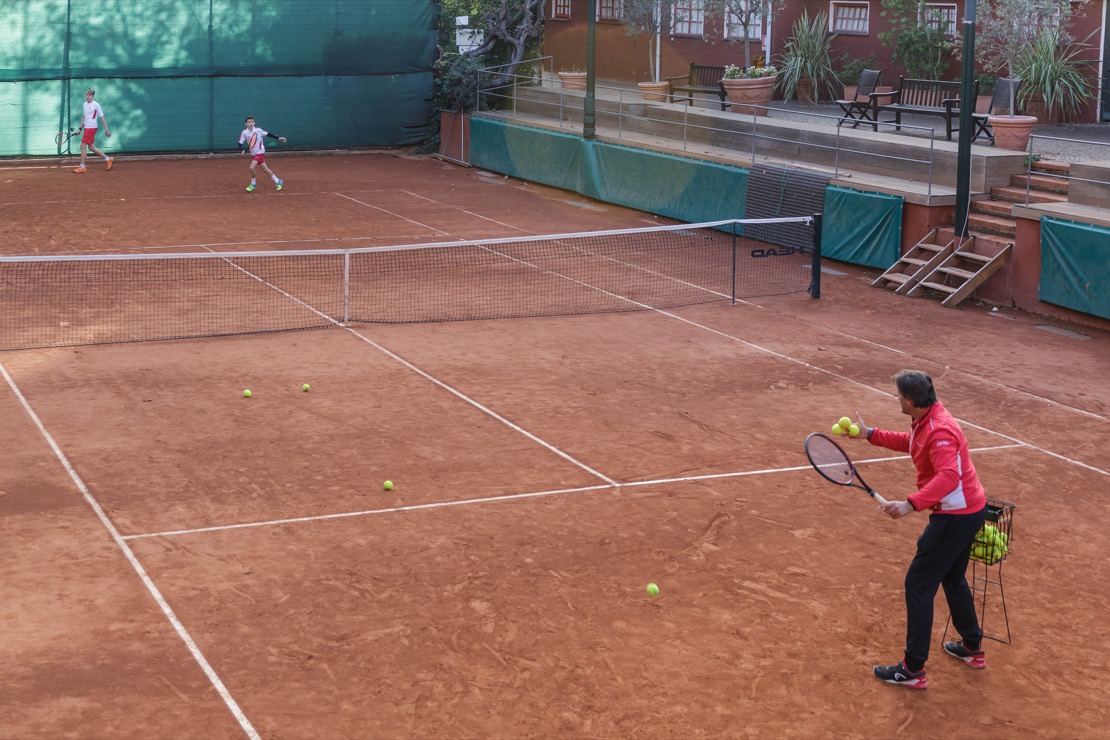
1075,266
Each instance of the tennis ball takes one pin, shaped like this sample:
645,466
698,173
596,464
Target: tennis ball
845,422
837,430
305,387
388,485
652,589
853,431
247,393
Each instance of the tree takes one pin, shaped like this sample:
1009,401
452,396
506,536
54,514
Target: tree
652,17
1004,32
923,40
510,30
746,15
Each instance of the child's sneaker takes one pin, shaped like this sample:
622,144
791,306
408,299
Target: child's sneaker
109,163
280,183
251,187
974,658
79,170
902,676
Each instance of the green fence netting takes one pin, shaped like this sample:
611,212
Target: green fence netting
180,75
1075,266
862,228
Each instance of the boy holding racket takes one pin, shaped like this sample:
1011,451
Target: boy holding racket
92,115
948,487
250,140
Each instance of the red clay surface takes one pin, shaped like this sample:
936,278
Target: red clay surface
324,608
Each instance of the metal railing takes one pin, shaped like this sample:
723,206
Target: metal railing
630,115
1061,149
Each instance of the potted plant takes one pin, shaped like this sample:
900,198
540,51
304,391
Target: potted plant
750,88
652,17
1054,87
806,60
573,78
1001,38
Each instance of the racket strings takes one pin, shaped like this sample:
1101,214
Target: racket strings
830,460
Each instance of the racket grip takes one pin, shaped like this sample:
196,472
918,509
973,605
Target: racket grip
879,498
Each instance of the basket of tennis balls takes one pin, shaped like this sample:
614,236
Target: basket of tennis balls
991,545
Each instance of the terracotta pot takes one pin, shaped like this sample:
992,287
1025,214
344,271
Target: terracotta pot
744,94
1012,132
573,80
657,91
1035,106
805,91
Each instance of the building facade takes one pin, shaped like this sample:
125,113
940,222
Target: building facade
701,37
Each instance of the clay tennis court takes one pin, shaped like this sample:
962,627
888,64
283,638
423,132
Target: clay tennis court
183,562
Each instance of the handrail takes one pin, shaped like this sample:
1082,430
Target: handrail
626,119
1032,158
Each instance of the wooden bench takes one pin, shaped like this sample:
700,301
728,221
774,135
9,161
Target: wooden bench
921,97
701,78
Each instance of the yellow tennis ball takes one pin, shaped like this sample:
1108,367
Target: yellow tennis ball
305,387
845,422
247,393
652,589
388,485
837,430
853,431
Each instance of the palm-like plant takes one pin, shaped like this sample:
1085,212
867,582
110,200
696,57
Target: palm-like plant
807,56
1050,68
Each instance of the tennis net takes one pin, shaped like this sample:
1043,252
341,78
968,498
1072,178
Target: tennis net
57,301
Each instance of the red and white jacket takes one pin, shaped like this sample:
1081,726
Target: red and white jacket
946,479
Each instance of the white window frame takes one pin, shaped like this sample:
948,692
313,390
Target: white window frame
692,26
616,11
834,19
556,5
950,14
735,32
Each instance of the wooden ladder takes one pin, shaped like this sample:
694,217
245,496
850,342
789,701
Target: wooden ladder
960,273
918,261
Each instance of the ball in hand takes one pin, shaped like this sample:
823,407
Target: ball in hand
845,422
853,431
388,485
652,589
837,430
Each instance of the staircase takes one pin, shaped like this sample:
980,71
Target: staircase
946,264
1047,184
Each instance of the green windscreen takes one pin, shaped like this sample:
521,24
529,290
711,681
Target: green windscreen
180,75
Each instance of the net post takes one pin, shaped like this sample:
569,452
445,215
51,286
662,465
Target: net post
815,277
734,230
346,286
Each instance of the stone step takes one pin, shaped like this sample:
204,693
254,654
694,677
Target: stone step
992,224
1062,169
1046,183
1017,195
993,207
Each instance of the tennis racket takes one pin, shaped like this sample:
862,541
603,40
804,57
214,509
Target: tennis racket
832,462
63,137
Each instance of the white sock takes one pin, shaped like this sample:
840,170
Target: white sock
252,181
274,178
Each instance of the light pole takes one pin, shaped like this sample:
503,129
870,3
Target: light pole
967,107
589,108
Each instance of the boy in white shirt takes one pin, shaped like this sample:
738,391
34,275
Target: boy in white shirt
250,140
91,112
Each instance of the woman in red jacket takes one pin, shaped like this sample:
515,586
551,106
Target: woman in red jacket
949,489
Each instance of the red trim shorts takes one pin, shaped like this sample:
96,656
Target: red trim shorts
88,136
260,158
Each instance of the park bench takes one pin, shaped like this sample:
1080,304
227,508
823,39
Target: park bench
921,97
701,78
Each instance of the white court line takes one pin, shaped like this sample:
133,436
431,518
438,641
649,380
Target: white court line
888,394
168,611
511,497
